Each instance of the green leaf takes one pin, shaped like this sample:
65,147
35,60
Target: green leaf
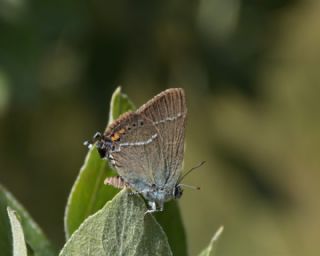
19,244
88,193
209,251
120,103
119,228
34,237
171,222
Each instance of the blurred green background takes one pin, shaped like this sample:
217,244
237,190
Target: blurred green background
251,74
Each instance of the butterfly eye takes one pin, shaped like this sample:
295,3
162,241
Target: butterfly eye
177,192
141,123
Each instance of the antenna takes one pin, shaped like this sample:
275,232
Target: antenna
189,186
184,175
95,138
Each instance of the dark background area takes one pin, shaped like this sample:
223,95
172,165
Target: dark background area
251,74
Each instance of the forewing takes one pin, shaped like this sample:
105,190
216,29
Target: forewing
135,150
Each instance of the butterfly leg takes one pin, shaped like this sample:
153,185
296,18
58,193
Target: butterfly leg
153,207
116,182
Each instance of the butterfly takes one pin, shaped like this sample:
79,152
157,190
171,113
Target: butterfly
146,147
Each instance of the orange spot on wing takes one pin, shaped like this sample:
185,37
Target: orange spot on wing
116,136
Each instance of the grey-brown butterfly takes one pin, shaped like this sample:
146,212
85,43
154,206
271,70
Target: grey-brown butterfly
146,147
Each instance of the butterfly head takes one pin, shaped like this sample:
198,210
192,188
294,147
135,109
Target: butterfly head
103,145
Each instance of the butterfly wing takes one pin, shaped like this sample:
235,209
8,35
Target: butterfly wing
148,145
135,150
167,112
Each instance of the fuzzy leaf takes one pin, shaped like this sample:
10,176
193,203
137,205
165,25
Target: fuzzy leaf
34,237
88,193
119,228
209,251
19,244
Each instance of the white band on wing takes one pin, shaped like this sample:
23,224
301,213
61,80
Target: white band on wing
137,143
168,119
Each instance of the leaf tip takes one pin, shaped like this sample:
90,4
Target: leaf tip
217,234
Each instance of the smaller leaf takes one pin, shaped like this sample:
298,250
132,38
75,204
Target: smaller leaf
209,251
34,237
119,228
19,244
